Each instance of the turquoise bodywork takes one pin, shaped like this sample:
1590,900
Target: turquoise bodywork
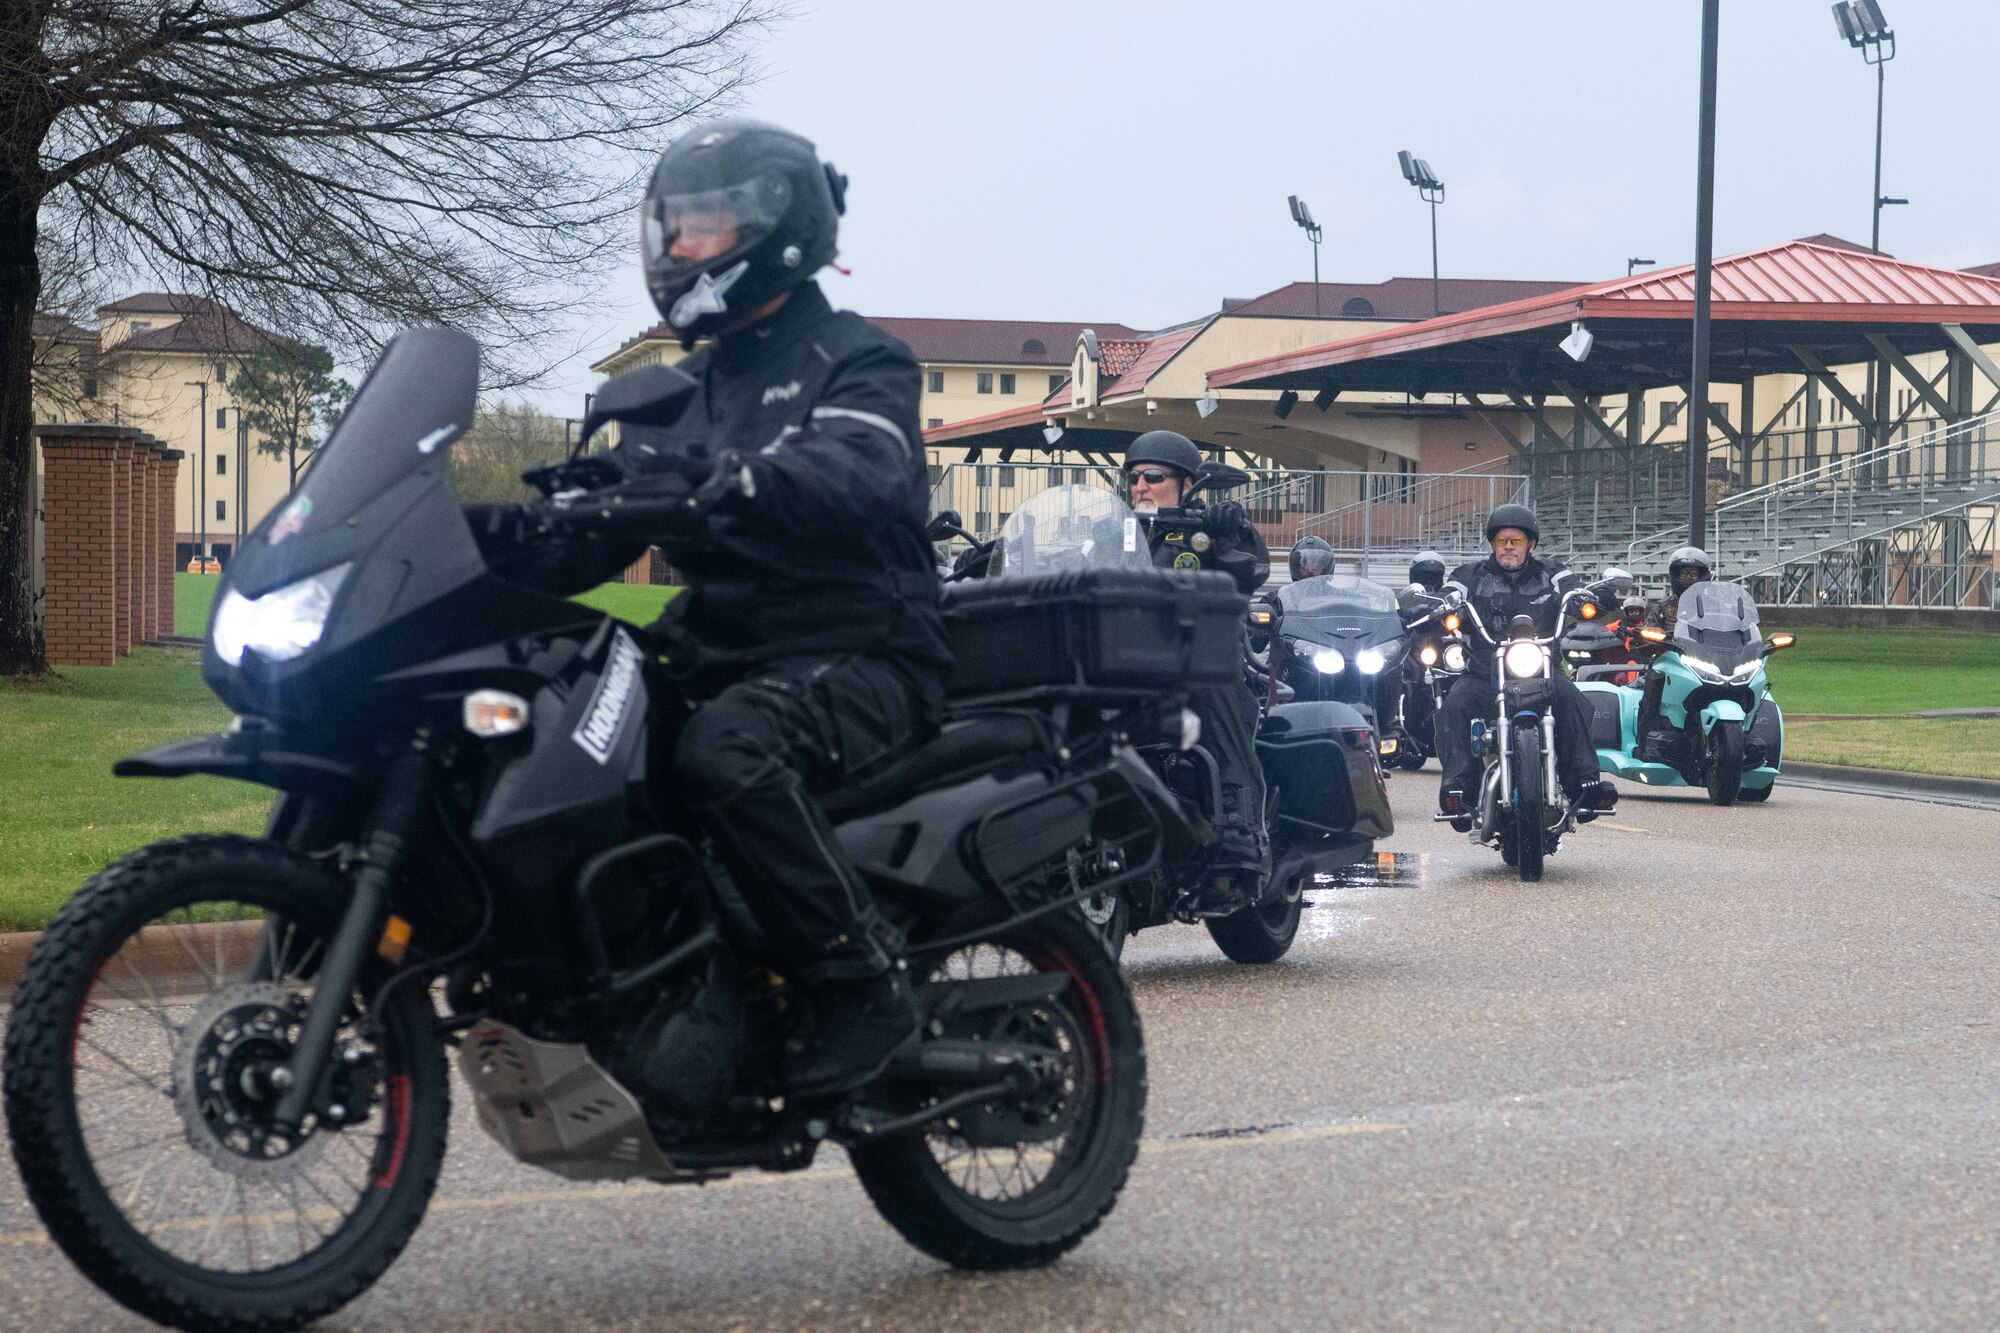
1681,681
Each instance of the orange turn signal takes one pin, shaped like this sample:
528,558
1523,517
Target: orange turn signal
1588,611
1783,640
1651,635
1261,616
1451,623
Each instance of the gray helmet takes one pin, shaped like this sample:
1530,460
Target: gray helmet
1428,569
1513,516
1687,567
1310,558
1164,446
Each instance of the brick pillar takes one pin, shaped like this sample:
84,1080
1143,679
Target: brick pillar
165,476
145,587
82,470
121,545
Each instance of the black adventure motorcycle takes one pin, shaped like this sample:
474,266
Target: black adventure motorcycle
1326,802
225,1074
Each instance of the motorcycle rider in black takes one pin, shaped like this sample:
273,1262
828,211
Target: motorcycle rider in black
1508,583
807,650
1160,469
1310,558
1427,572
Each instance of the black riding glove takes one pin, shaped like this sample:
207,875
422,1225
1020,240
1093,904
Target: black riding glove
1224,519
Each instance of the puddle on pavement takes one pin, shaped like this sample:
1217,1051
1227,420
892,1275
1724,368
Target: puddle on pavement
1352,886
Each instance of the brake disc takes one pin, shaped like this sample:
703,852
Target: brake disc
222,1085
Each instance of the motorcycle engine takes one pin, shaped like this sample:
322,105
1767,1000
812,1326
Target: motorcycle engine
681,1057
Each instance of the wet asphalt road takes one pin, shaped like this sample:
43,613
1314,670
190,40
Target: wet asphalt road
1721,1069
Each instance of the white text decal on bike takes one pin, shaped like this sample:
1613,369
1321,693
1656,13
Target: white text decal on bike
598,732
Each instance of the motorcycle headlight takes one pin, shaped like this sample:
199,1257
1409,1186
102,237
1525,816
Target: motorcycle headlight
280,625
1371,660
1329,662
1701,666
1747,670
1428,655
1454,657
1525,660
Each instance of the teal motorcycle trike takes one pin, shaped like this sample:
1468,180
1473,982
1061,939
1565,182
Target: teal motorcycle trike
1714,723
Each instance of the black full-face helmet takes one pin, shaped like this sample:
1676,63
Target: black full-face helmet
738,213
1687,567
1311,558
1428,570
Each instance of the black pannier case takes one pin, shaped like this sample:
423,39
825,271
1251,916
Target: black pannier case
1110,628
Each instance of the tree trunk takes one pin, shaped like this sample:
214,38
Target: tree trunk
21,647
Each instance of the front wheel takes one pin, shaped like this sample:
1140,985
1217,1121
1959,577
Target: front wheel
1262,932
1016,1183
1528,804
139,1066
1725,763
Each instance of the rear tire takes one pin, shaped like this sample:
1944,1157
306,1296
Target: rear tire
1725,763
1262,932
1528,831
970,1222
131,1062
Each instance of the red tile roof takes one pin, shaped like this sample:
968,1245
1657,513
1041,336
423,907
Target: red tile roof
1116,355
1398,298
1154,353
61,328
205,326
154,303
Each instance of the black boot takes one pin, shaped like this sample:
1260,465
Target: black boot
1593,798
1451,801
857,1028
1240,842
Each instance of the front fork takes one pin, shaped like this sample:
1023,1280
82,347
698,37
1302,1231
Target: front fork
405,789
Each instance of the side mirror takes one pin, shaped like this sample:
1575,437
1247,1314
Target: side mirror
945,523
649,396
1220,477
1779,642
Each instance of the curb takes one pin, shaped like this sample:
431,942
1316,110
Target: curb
1887,782
229,941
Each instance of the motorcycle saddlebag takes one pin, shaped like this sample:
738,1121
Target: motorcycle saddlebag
1319,761
1149,629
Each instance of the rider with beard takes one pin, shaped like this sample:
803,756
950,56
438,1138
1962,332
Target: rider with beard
807,650
1160,469
1508,583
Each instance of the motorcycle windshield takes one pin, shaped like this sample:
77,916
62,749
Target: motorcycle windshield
418,398
1335,594
1070,527
1717,622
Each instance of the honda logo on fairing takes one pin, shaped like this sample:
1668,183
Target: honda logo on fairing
781,393
598,732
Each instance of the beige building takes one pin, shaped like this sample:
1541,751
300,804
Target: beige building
164,362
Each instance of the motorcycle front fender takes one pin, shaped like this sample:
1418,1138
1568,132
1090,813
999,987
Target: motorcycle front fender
1720,712
250,756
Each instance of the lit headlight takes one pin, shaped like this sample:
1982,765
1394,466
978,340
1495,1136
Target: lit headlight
1525,660
1454,657
1329,662
280,625
1701,666
1747,670
1370,660
1428,655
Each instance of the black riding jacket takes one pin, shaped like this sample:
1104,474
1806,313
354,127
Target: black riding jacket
1536,590
828,555
1239,553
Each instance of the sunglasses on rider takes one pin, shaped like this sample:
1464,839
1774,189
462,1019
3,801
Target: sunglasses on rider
1510,541
1152,476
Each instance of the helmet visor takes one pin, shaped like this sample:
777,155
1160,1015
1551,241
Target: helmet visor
1312,563
681,233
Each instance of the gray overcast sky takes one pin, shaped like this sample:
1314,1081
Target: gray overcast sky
1111,160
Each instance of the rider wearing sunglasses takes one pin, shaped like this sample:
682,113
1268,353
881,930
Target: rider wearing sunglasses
1161,472
1510,582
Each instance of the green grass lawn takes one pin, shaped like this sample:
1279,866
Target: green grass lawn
193,594
1885,671
1960,747
636,602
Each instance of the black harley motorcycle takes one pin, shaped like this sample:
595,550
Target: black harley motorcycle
225,1073
1432,665
1075,546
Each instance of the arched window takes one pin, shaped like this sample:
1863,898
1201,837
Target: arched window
1033,347
1358,306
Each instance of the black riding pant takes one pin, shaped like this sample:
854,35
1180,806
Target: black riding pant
1473,697
1228,716
749,762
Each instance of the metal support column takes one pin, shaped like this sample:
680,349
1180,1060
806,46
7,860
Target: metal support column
1704,251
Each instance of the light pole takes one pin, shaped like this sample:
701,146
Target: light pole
199,492
242,487
1304,217
1431,190
1704,248
1631,264
1862,24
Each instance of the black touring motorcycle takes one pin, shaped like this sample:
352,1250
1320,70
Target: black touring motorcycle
225,1070
1076,549
1343,640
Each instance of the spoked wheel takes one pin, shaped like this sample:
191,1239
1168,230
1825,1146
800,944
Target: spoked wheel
1016,1183
1725,764
139,1068
1262,932
1528,807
